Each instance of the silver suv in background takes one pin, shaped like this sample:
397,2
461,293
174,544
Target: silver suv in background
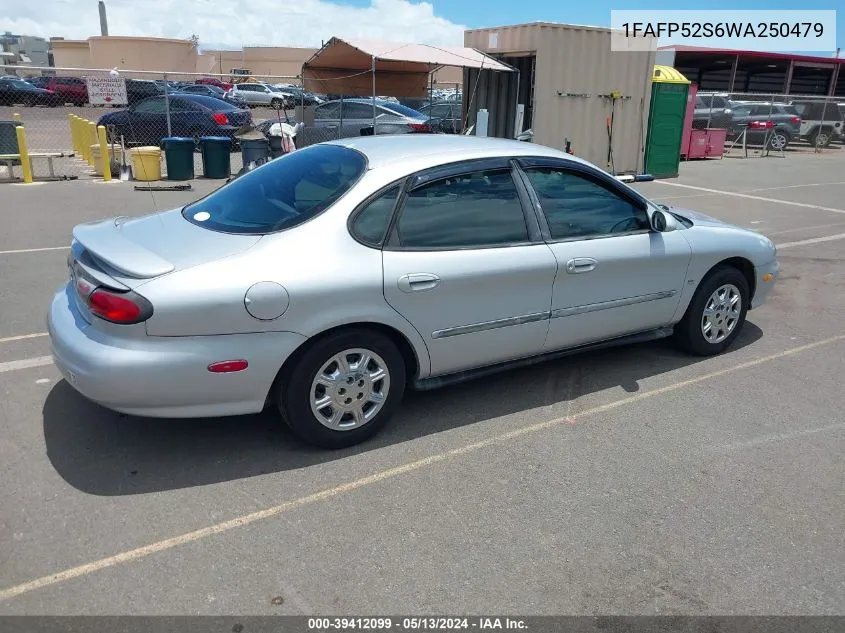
256,94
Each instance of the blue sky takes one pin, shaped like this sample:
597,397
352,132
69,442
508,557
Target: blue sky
482,13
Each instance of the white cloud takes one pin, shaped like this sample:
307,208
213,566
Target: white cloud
253,23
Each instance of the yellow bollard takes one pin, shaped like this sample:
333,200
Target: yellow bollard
85,146
92,139
26,166
105,159
72,123
77,135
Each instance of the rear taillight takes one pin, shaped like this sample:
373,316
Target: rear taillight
119,307
420,127
220,118
795,119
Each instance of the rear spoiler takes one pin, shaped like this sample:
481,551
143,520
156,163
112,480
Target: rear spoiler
105,241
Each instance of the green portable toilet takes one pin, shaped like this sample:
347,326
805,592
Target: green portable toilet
669,90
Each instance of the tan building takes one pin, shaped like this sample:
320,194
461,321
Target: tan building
130,53
276,63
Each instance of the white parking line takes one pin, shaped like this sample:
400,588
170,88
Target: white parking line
745,195
777,437
804,228
138,553
813,184
26,363
813,240
34,250
23,337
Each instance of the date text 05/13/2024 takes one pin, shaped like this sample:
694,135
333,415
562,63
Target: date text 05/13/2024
415,623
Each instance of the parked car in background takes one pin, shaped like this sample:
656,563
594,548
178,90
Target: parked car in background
297,96
15,91
213,81
445,116
256,94
216,92
713,111
38,82
145,123
71,89
140,89
329,281
821,122
390,118
747,114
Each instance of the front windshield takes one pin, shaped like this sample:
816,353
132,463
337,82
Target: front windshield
285,192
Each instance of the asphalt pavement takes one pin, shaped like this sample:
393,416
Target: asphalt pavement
635,480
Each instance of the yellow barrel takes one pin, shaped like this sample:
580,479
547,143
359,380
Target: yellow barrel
113,151
146,163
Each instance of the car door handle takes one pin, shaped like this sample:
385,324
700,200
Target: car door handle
581,265
418,282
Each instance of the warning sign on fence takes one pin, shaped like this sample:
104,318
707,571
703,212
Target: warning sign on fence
106,89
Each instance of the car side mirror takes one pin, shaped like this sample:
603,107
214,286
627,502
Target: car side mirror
663,222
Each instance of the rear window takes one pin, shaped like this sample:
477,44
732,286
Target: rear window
400,109
212,103
286,192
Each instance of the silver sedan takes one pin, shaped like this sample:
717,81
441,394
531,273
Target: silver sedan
328,281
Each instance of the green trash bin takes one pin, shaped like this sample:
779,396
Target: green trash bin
179,157
216,156
9,139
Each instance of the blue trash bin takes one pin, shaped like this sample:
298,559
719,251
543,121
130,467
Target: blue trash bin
216,154
179,157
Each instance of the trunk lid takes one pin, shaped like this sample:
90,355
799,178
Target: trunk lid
132,251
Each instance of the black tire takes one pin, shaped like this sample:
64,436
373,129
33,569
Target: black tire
277,104
689,333
294,390
814,137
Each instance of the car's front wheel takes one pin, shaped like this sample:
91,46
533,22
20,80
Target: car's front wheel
343,389
716,313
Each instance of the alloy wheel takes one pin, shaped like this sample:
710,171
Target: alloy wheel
350,389
721,313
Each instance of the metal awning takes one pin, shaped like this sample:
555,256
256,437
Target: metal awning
347,66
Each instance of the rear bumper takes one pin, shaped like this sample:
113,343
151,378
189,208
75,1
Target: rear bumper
164,376
766,277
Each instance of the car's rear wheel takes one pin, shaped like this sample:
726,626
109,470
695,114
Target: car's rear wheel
716,313
277,104
820,138
779,140
343,389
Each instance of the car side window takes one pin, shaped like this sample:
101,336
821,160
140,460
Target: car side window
151,106
578,207
370,224
471,210
180,105
357,111
742,110
327,111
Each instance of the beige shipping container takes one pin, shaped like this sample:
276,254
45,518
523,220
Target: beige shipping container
573,75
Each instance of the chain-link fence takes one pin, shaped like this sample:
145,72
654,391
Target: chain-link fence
60,110
761,124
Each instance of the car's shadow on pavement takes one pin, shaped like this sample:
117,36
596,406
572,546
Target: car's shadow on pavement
104,453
